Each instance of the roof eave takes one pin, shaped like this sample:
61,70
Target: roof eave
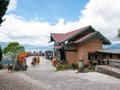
80,32
107,42
53,38
77,34
86,38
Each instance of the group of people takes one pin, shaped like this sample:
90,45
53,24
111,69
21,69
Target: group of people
35,60
44,54
20,65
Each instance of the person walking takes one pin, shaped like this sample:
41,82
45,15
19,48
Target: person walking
10,68
33,61
37,60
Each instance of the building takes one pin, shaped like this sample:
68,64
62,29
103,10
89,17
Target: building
112,56
80,44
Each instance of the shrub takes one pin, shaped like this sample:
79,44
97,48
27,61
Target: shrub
90,69
75,66
5,66
61,67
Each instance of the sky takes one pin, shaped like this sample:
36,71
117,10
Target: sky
32,21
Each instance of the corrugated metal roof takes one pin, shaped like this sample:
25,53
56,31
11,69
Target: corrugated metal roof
114,51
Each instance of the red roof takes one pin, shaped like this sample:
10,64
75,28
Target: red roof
58,37
61,37
57,47
84,37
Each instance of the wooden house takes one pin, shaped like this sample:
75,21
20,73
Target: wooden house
80,44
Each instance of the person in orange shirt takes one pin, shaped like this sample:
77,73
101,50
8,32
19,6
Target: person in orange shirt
37,59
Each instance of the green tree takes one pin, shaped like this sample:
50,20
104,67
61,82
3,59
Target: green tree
118,33
3,8
0,54
12,49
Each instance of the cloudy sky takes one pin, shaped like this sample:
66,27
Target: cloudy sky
32,21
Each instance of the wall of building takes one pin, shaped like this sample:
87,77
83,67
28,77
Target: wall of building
91,46
114,56
71,56
82,51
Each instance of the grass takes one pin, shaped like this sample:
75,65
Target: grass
5,66
90,69
61,67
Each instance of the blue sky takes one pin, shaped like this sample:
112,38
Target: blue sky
32,21
50,10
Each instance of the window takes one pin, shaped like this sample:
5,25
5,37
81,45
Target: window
104,56
92,56
110,56
89,56
96,56
118,56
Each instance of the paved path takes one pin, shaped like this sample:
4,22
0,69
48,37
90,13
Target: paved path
46,77
12,81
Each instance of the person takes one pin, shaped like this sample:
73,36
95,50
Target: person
37,59
33,61
104,60
43,54
54,61
98,62
10,68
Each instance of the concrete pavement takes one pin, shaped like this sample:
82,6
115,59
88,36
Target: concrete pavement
45,76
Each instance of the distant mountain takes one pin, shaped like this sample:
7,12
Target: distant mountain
29,47
3,44
113,46
32,48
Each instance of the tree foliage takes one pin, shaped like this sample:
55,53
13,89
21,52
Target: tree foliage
0,53
118,33
12,49
3,8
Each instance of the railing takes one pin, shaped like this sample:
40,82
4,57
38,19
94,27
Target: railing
114,63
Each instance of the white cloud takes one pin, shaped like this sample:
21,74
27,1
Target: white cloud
30,32
104,16
12,5
33,32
